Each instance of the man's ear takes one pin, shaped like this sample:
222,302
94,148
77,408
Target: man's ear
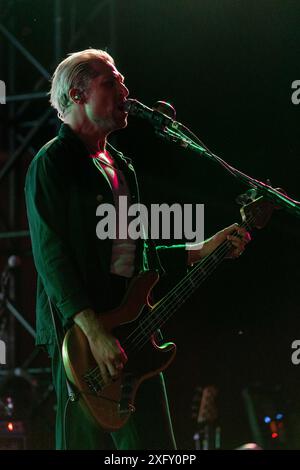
76,95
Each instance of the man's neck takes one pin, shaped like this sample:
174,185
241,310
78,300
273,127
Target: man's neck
93,138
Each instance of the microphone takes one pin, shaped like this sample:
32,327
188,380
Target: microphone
13,262
166,108
162,115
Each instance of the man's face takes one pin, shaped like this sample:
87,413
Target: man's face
105,99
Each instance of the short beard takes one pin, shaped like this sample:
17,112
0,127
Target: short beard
106,124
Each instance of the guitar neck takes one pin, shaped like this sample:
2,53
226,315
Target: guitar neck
169,304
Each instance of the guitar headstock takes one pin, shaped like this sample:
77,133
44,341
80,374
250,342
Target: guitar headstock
257,214
256,211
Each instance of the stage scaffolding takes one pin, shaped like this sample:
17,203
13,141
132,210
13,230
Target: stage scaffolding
70,30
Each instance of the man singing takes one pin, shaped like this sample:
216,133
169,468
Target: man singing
79,275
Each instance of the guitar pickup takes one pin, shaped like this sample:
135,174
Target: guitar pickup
93,382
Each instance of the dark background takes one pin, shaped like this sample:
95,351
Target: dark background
227,66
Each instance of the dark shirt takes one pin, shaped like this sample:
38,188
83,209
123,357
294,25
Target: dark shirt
63,189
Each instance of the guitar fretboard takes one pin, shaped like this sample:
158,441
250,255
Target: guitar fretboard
169,304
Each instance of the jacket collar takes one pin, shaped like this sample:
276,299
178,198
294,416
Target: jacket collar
66,132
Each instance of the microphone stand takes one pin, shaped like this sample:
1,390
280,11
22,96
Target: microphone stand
277,197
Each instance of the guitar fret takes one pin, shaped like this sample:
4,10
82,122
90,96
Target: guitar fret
215,257
202,271
145,326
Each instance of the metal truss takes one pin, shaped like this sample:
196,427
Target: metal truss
21,130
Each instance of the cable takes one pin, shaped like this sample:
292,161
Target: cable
65,422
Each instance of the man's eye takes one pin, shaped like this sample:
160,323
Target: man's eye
109,83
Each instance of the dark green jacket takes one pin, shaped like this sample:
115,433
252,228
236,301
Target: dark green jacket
63,189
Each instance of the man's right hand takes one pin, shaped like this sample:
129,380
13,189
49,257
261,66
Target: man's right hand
106,349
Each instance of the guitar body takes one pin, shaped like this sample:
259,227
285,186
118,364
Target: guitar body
111,405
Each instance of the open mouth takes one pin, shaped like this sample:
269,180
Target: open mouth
121,107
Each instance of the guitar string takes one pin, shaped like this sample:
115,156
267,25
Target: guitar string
152,325
194,275
222,249
208,262
186,284
142,338
200,267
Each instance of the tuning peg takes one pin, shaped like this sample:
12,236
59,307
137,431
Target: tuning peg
246,197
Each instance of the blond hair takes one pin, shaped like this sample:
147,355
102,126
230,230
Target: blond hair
75,71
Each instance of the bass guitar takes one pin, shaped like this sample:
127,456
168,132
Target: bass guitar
134,323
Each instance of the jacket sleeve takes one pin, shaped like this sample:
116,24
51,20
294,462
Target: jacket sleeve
46,197
173,256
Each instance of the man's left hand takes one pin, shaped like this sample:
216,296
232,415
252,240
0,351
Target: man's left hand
238,237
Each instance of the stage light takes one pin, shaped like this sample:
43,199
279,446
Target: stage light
10,427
